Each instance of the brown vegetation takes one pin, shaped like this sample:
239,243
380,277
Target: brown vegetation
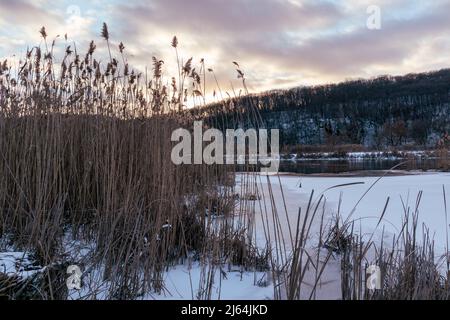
84,153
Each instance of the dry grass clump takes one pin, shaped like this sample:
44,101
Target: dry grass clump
85,151
409,267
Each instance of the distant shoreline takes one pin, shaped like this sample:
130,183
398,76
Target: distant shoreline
363,173
362,155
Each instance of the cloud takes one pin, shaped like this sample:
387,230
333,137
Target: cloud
217,17
279,43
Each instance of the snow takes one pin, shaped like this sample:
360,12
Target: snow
182,282
364,211
367,213
17,263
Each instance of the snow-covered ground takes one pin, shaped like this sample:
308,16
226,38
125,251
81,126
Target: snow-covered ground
402,191
17,263
296,191
364,210
182,282
290,193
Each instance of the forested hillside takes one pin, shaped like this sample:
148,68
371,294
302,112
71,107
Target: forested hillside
385,111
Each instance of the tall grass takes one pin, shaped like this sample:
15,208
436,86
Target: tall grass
85,151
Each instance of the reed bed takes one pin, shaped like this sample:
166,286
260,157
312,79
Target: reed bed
85,154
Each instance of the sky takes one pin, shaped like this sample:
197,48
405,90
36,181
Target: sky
277,43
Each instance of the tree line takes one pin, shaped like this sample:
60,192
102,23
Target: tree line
385,111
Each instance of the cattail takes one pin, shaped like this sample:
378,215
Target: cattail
121,47
187,66
157,67
92,47
43,33
195,76
105,33
174,42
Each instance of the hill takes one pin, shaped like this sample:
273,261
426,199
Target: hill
385,111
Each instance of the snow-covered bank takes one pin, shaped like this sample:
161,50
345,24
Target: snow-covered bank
279,208
364,155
